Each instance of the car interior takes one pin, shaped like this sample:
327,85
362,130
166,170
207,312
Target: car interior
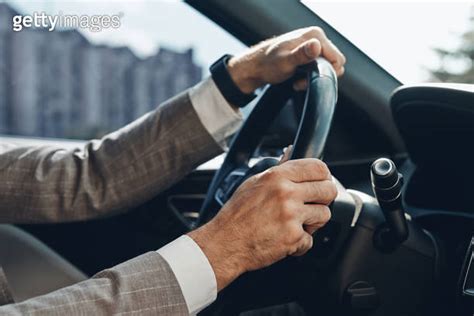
401,237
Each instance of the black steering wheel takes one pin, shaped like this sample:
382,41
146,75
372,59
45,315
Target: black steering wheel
319,104
317,112
283,281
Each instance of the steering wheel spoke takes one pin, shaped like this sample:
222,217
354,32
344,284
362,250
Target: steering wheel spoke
230,183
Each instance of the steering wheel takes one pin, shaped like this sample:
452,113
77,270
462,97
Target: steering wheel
318,110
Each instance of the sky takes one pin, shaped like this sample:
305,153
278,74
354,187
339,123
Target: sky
399,35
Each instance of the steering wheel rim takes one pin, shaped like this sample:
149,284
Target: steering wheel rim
318,110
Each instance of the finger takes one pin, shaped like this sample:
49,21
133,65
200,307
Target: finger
311,229
286,154
333,55
300,85
314,215
341,71
305,52
328,49
305,244
321,192
302,170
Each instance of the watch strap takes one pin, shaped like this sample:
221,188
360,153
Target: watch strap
229,90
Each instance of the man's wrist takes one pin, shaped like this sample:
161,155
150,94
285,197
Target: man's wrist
243,73
227,264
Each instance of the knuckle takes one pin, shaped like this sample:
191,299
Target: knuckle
294,234
305,245
316,31
293,249
282,191
308,243
326,214
341,71
322,168
327,191
332,191
287,213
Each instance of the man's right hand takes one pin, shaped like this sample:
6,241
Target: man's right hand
271,215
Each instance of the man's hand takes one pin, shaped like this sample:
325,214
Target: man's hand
271,215
275,60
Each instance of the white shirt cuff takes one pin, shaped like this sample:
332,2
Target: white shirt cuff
193,272
217,116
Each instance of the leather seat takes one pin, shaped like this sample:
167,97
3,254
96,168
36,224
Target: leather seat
31,267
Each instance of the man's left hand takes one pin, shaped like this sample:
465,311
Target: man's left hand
275,60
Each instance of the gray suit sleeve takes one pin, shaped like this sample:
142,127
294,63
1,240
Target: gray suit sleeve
123,169
144,285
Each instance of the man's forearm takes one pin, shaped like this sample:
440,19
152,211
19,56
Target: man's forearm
123,169
144,285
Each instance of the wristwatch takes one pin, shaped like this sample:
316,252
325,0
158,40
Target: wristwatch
221,76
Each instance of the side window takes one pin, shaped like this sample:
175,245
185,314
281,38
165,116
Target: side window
75,71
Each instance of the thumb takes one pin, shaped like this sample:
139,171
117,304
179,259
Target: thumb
286,154
305,52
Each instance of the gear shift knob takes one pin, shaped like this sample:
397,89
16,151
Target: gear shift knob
384,173
387,186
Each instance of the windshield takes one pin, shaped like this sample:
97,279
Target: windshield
415,42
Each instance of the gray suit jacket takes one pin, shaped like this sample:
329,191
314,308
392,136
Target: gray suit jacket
123,169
